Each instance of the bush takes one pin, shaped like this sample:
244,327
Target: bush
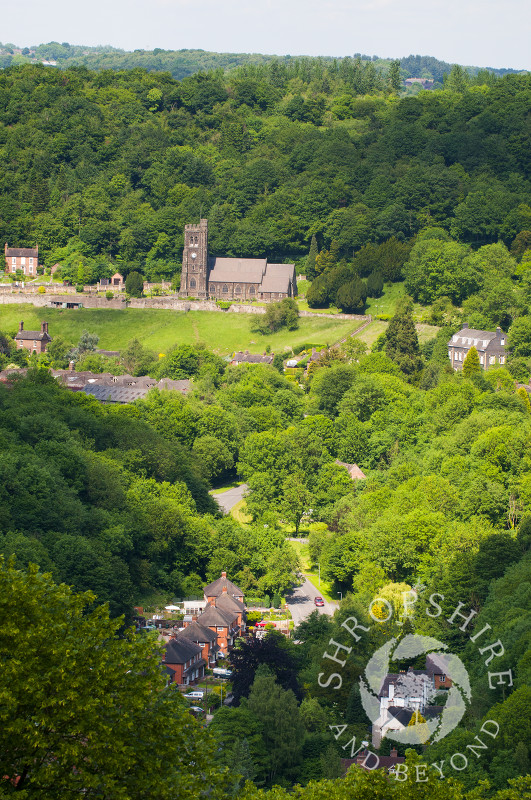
79,288
41,290
284,314
134,284
109,295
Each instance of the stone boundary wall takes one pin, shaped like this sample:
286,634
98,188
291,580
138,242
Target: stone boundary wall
171,303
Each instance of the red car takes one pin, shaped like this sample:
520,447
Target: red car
264,622
318,601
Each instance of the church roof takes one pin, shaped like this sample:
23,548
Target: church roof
233,270
277,278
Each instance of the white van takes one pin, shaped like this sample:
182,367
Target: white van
197,695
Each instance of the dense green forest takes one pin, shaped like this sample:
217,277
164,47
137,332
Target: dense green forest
104,169
182,63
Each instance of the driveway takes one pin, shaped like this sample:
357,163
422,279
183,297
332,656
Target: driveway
227,500
301,602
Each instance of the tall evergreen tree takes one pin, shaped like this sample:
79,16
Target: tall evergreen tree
394,75
401,341
310,260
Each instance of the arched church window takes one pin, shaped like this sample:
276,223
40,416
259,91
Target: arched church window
192,283
225,289
238,290
251,289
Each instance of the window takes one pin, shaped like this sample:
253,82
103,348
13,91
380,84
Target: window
30,269
481,359
502,359
251,289
192,283
14,261
502,341
31,262
225,289
238,290
492,360
23,261
220,630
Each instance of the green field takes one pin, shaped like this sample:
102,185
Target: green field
161,329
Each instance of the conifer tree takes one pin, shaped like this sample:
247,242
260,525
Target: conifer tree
310,260
471,365
401,341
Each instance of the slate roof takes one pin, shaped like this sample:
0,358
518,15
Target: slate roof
22,252
197,633
180,650
215,588
473,337
403,715
353,470
252,358
237,270
228,603
42,336
277,278
110,393
217,617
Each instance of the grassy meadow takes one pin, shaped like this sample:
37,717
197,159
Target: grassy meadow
162,329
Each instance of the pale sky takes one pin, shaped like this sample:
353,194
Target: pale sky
472,32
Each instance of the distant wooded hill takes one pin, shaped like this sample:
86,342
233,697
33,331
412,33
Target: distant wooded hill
182,63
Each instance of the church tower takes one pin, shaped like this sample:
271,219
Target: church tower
194,277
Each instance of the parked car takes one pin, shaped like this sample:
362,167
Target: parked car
197,709
197,695
318,601
265,622
218,672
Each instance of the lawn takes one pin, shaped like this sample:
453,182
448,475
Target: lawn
161,329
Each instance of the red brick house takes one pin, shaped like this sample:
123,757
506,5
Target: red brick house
186,660
25,259
34,341
216,588
204,637
223,623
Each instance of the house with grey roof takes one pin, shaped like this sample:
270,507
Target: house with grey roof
34,341
185,658
222,278
204,637
219,586
490,346
251,358
25,259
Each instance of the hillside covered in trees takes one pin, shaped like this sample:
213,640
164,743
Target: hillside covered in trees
103,169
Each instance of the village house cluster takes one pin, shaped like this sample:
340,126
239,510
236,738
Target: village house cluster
206,636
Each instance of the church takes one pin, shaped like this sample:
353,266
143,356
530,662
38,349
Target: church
230,278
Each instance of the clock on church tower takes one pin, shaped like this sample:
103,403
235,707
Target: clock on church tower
195,260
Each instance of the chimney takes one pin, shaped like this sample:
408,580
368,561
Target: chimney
223,574
44,327
498,331
72,366
394,753
465,324
224,590
21,328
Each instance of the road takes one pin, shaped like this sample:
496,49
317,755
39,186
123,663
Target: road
227,500
301,604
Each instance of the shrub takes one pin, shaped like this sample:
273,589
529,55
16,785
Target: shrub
41,290
79,288
134,284
109,295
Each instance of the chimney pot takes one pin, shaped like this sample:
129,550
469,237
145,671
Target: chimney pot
223,574
71,366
